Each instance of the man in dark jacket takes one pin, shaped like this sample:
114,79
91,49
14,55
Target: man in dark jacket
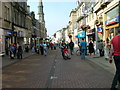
19,53
71,45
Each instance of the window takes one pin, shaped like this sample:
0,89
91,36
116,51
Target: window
19,19
24,20
113,13
16,17
7,13
89,17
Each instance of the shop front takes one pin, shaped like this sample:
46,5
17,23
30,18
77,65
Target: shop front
112,27
8,40
2,50
112,23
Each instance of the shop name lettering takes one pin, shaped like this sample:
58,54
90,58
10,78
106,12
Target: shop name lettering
114,20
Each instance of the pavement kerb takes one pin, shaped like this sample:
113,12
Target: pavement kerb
100,61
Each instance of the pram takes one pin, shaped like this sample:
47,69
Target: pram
66,54
11,55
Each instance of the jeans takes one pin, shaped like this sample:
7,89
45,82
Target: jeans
117,74
45,53
83,53
101,52
71,51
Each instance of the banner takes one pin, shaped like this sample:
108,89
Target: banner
100,30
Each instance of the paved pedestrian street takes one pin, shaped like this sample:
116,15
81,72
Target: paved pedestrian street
52,71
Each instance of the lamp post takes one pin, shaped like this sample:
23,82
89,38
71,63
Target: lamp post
84,28
85,25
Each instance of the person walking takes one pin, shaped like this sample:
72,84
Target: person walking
48,45
55,45
91,48
83,45
71,45
20,52
26,48
15,51
45,49
106,49
41,49
37,49
51,45
115,50
62,46
100,47
12,50
33,49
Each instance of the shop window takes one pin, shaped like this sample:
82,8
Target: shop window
116,30
113,13
7,13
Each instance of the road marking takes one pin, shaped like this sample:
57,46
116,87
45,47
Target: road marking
53,77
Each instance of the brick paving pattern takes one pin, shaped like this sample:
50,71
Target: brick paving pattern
76,73
52,71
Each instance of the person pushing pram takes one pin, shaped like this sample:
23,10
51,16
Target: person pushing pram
64,50
66,54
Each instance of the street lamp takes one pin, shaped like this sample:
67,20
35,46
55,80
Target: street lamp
84,28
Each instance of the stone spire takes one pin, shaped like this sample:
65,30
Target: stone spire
40,11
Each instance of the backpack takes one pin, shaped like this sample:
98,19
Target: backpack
12,48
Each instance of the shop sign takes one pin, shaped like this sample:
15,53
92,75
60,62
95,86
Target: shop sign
112,21
14,34
100,29
8,33
82,34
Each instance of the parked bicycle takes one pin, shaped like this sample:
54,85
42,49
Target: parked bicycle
78,52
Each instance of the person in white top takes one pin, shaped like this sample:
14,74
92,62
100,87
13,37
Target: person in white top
106,49
45,49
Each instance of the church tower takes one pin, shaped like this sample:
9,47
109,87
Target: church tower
40,12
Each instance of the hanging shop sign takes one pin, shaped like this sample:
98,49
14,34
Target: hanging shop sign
112,21
100,30
81,35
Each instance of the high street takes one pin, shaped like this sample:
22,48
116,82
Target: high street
52,71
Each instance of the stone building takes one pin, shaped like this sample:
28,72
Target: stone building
102,18
15,24
43,30
72,23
